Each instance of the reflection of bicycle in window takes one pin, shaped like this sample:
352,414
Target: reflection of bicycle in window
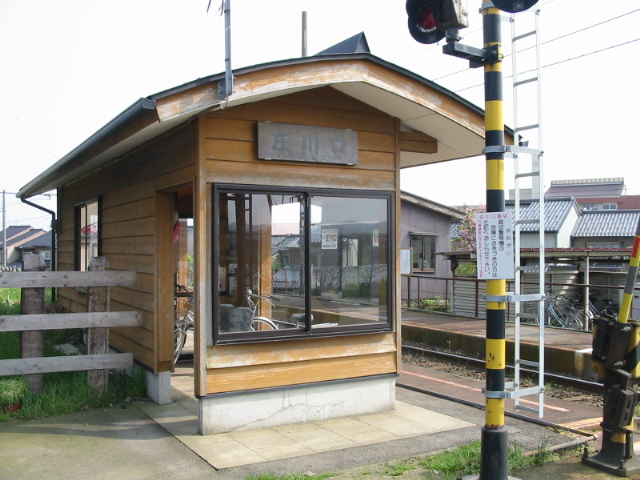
182,323
264,323
295,320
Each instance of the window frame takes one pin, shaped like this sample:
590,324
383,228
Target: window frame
422,235
77,237
264,336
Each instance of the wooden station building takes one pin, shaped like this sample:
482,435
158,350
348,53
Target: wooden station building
306,150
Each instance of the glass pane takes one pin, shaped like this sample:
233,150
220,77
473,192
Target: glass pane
349,274
416,246
88,234
261,239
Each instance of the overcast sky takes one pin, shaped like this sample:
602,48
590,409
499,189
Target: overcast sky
70,66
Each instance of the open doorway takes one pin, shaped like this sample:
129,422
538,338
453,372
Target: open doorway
182,253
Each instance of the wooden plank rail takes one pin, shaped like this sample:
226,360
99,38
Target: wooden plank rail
97,321
71,363
109,278
56,321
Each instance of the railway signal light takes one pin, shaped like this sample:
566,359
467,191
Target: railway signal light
514,6
431,20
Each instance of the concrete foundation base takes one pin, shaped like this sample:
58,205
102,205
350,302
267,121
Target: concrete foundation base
159,387
300,404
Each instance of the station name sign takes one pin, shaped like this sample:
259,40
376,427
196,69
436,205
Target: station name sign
302,143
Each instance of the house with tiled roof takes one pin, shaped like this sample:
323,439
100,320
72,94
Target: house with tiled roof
560,215
605,229
20,239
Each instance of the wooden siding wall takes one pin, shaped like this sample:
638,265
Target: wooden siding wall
127,189
230,157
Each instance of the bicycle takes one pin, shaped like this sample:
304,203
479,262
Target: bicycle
264,323
184,323
562,312
296,320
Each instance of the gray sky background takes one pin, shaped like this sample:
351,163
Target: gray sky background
70,66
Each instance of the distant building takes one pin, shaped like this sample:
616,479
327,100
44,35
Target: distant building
605,229
595,194
24,239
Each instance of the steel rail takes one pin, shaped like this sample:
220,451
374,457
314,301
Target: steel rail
586,385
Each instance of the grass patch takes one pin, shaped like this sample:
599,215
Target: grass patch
465,460
399,469
63,392
67,392
289,476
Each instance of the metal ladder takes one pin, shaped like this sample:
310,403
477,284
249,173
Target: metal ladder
533,171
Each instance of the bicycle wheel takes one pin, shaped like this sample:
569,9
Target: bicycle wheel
179,339
258,324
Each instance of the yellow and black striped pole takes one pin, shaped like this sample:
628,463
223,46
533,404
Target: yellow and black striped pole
494,456
617,455
627,297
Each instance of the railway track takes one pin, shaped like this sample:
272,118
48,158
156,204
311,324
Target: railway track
474,367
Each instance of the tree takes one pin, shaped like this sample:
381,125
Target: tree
467,228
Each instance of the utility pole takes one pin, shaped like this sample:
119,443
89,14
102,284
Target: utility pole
4,229
304,34
429,22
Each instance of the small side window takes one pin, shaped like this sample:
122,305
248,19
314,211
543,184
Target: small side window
424,249
87,232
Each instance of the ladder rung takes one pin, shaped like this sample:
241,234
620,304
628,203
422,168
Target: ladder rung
514,149
510,297
527,409
524,392
524,82
528,174
526,127
524,35
528,269
528,363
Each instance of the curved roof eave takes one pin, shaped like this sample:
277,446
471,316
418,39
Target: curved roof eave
420,104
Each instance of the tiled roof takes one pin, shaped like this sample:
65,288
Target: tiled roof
555,213
284,242
607,223
16,235
43,240
605,187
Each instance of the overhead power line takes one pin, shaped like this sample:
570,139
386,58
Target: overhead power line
575,32
560,62
29,130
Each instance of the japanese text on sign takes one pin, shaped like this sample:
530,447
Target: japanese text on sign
494,245
280,141
329,239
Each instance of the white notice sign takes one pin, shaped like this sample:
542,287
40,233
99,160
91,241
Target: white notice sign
329,239
494,245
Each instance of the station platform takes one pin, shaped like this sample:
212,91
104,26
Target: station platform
567,352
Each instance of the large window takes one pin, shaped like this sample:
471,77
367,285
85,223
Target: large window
86,234
424,252
294,263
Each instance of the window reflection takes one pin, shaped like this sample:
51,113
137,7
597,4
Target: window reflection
279,275
86,234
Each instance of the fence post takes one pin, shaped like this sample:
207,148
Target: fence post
98,338
32,301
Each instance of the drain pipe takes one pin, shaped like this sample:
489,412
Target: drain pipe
54,236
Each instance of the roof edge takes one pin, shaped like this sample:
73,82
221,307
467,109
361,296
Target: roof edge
133,115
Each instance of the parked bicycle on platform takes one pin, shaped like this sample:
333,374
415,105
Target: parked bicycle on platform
182,323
